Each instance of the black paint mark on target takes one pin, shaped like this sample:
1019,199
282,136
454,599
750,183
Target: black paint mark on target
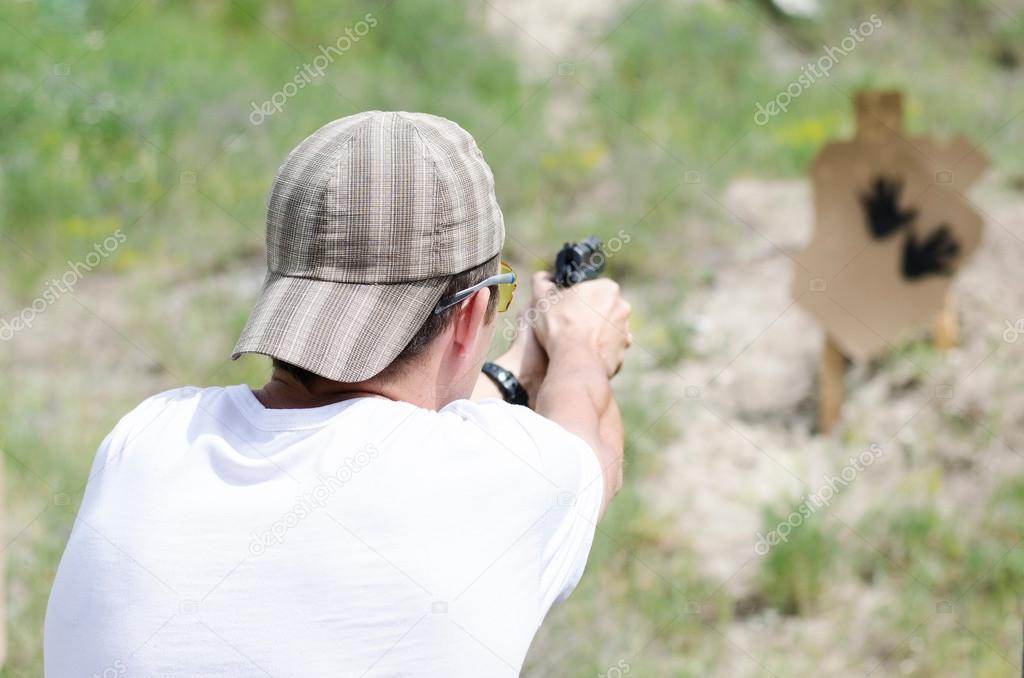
932,255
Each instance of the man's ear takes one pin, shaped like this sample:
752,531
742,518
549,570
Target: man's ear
470,320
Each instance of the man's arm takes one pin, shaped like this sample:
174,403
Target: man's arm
566,363
577,394
584,331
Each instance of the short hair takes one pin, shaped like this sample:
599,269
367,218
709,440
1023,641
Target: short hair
433,326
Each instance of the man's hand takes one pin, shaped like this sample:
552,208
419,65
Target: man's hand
591,317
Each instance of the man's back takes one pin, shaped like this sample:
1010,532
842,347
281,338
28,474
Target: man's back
366,537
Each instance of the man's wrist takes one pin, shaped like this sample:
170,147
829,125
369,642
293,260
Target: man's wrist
529,375
529,380
508,385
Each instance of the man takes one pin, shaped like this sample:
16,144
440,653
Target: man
358,515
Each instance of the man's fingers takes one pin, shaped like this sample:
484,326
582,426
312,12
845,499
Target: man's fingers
618,368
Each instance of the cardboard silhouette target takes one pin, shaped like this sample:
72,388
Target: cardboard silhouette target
893,226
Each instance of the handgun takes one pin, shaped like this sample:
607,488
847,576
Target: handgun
577,262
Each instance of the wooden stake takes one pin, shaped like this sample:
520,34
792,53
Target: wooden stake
830,384
879,114
947,329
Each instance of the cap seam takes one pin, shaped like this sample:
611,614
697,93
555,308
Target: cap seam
435,254
437,182
322,194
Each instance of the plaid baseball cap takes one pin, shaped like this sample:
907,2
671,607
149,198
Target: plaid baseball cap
367,220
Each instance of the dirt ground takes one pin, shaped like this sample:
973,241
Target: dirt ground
748,431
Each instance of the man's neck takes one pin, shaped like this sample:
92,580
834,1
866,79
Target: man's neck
285,391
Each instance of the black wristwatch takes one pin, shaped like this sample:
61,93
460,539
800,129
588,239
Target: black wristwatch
511,390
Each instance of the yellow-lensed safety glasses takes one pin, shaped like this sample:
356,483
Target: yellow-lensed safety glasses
505,281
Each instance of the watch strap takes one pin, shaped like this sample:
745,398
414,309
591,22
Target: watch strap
511,390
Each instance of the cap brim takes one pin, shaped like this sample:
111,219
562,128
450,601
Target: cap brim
343,331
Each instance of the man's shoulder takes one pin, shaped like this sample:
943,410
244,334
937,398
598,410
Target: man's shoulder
164,399
179,394
555,449
495,415
176,401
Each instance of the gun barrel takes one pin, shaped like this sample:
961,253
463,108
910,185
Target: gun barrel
577,262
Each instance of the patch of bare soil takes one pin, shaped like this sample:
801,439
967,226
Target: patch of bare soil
949,426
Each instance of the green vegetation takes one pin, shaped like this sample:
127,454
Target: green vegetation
965,581
146,127
136,118
795,572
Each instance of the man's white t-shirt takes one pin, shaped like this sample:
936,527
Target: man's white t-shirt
364,538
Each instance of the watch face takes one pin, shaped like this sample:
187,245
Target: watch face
511,390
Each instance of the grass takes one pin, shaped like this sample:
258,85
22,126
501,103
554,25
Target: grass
965,581
795,572
137,119
187,164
